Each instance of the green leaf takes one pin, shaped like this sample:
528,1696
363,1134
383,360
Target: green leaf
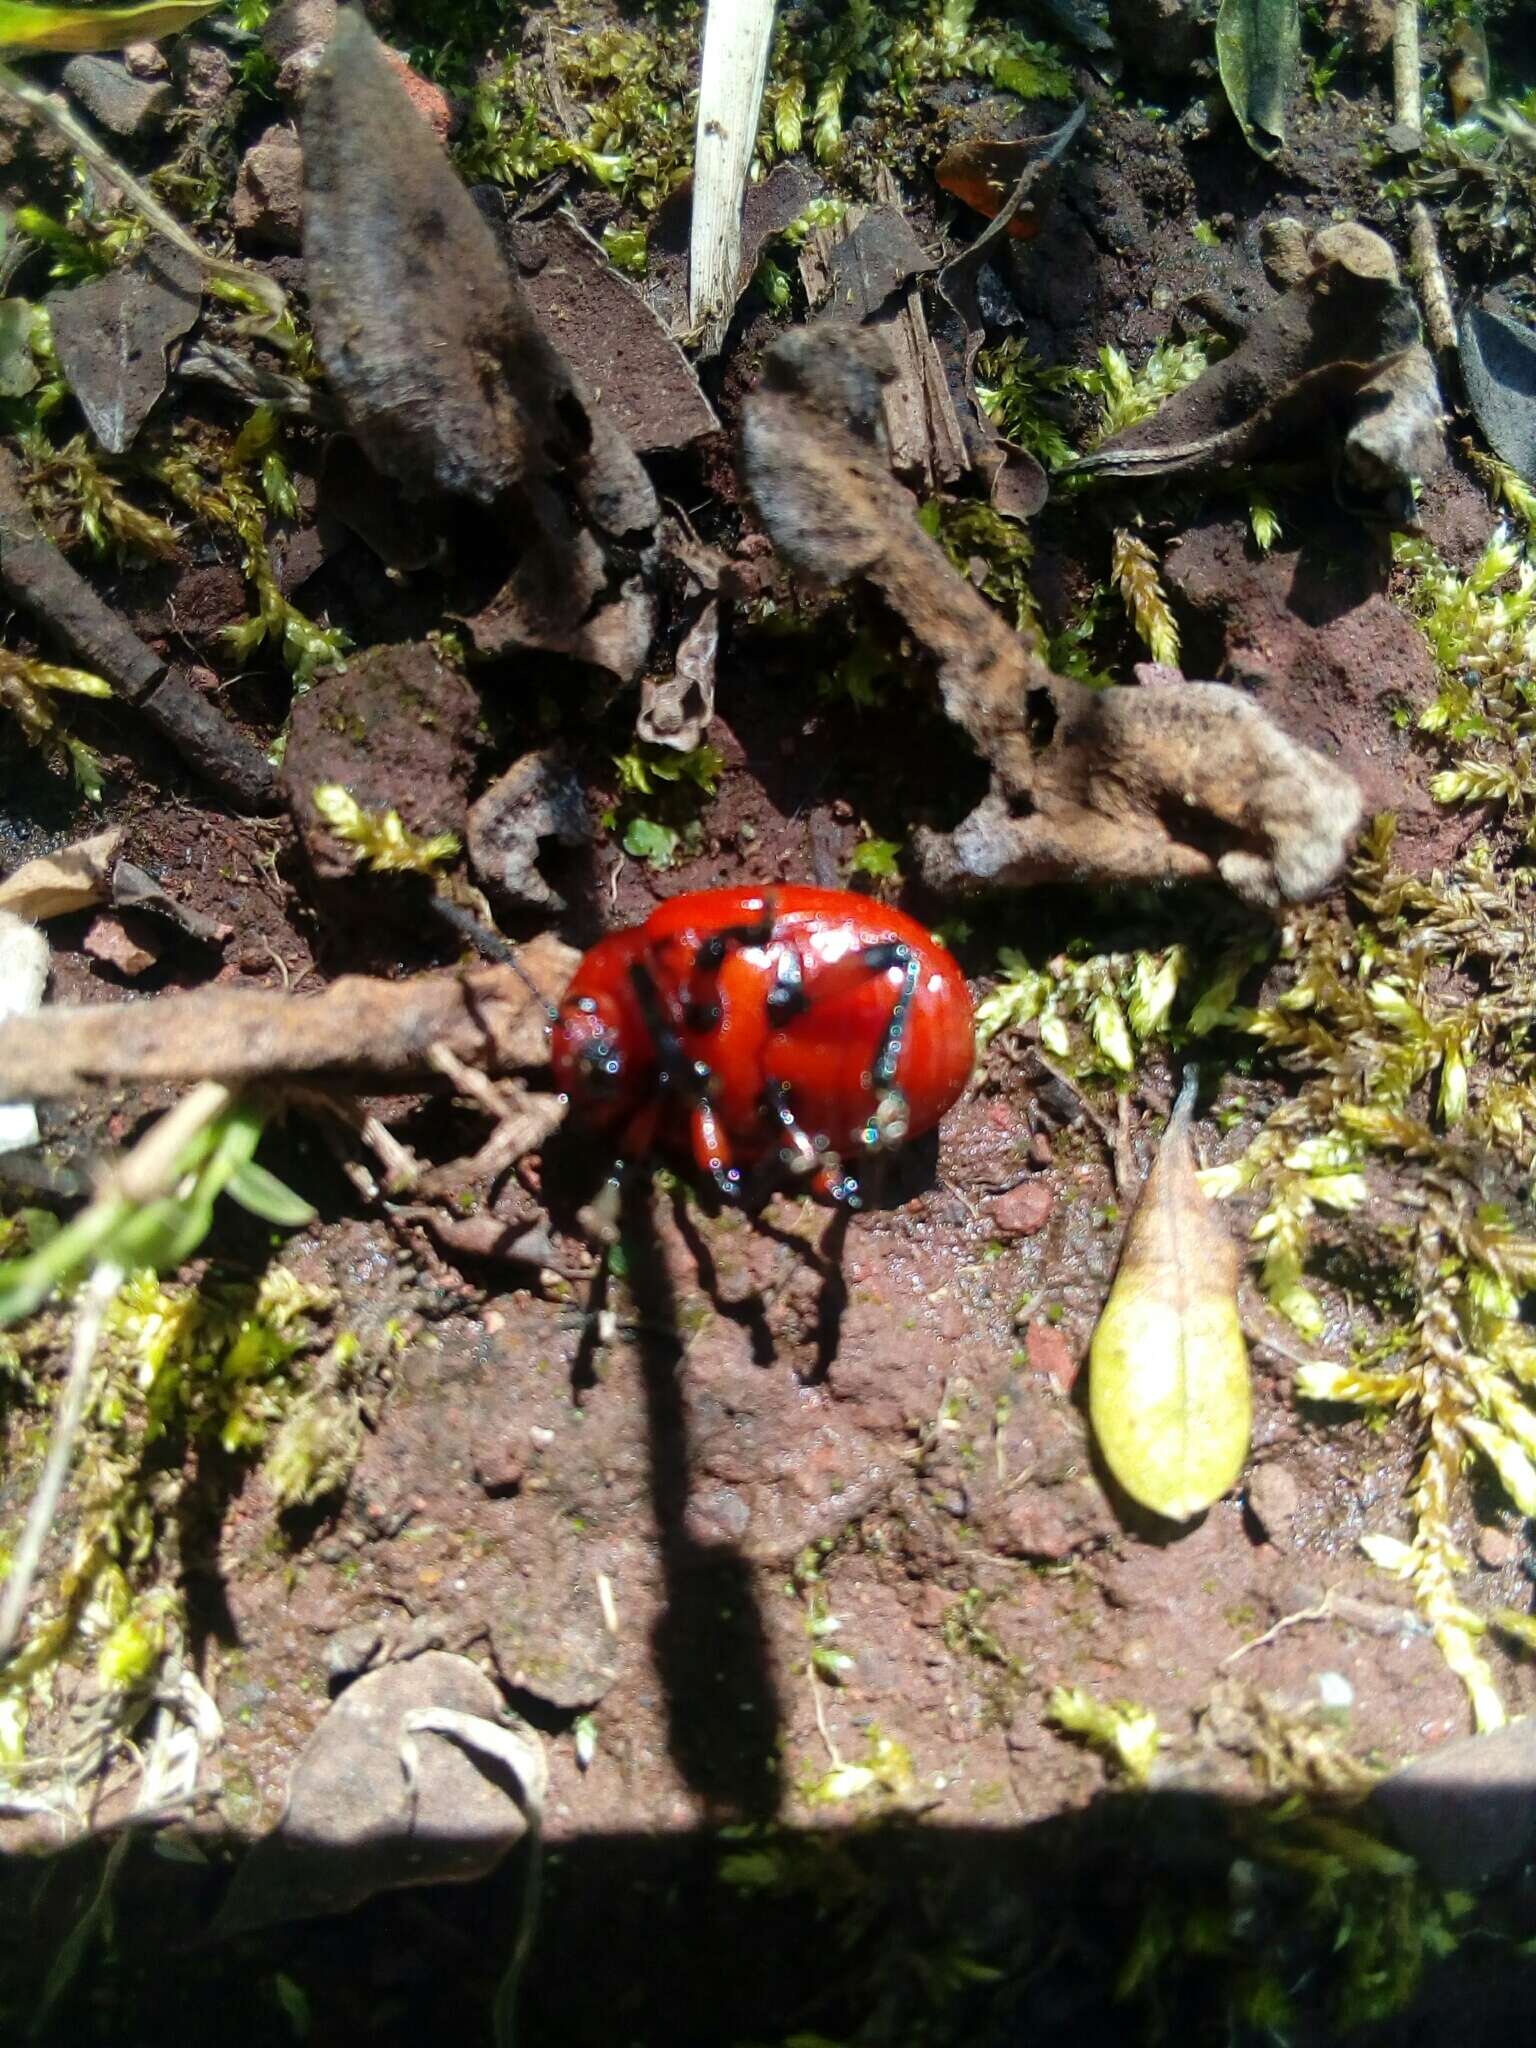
648,839
27,30
880,859
1258,48
267,1197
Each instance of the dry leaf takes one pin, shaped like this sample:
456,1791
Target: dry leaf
56,883
1169,1396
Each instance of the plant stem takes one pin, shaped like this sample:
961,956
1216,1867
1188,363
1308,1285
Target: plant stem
95,1299
57,116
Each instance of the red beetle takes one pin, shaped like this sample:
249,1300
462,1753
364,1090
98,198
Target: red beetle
778,1029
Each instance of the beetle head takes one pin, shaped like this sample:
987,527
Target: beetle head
591,1059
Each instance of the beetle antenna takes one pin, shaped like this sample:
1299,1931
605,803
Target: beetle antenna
491,946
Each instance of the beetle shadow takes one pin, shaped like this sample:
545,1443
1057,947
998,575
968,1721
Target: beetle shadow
710,1644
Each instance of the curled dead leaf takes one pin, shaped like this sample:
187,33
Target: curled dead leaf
54,884
1168,1388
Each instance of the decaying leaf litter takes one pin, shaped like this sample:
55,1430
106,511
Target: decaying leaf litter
935,1495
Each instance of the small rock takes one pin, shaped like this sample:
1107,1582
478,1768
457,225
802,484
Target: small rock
207,76
397,729
1038,1525
1040,1150
355,1824
931,1606
269,192
1023,1211
113,97
1496,1548
1403,139
298,25
716,1515
1049,1352
429,100
554,1640
1273,1498
539,799
1053,1522
110,941
499,1470
1467,1810
146,60
350,1651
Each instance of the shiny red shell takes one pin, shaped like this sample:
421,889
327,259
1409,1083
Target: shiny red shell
678,1034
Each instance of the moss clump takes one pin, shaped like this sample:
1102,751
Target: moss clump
831,61
182,1372
660,796
381,840
28,689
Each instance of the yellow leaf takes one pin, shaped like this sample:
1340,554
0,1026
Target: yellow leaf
1168,1389
27,30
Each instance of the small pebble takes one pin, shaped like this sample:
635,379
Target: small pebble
1023,1211
1496,1548
1050,1352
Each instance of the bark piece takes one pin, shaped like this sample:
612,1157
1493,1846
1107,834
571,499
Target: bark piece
538,799
442,370
638,376
1191,781
449,383
55,884
871,266
357,1030
1339,347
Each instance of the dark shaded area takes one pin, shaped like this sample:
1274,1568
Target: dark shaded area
710,1648
1148,1917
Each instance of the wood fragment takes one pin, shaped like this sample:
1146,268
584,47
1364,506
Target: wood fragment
357,1031
1191,781
737,35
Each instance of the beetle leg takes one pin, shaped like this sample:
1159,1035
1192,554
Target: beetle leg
711,1149
691,1079
888,1122
834,1185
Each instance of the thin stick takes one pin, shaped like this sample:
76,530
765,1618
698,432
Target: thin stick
58,117
737,37
1408,109
1407,96
1434,292
95,1298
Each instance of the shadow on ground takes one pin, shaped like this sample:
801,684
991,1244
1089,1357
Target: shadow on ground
1147,1918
